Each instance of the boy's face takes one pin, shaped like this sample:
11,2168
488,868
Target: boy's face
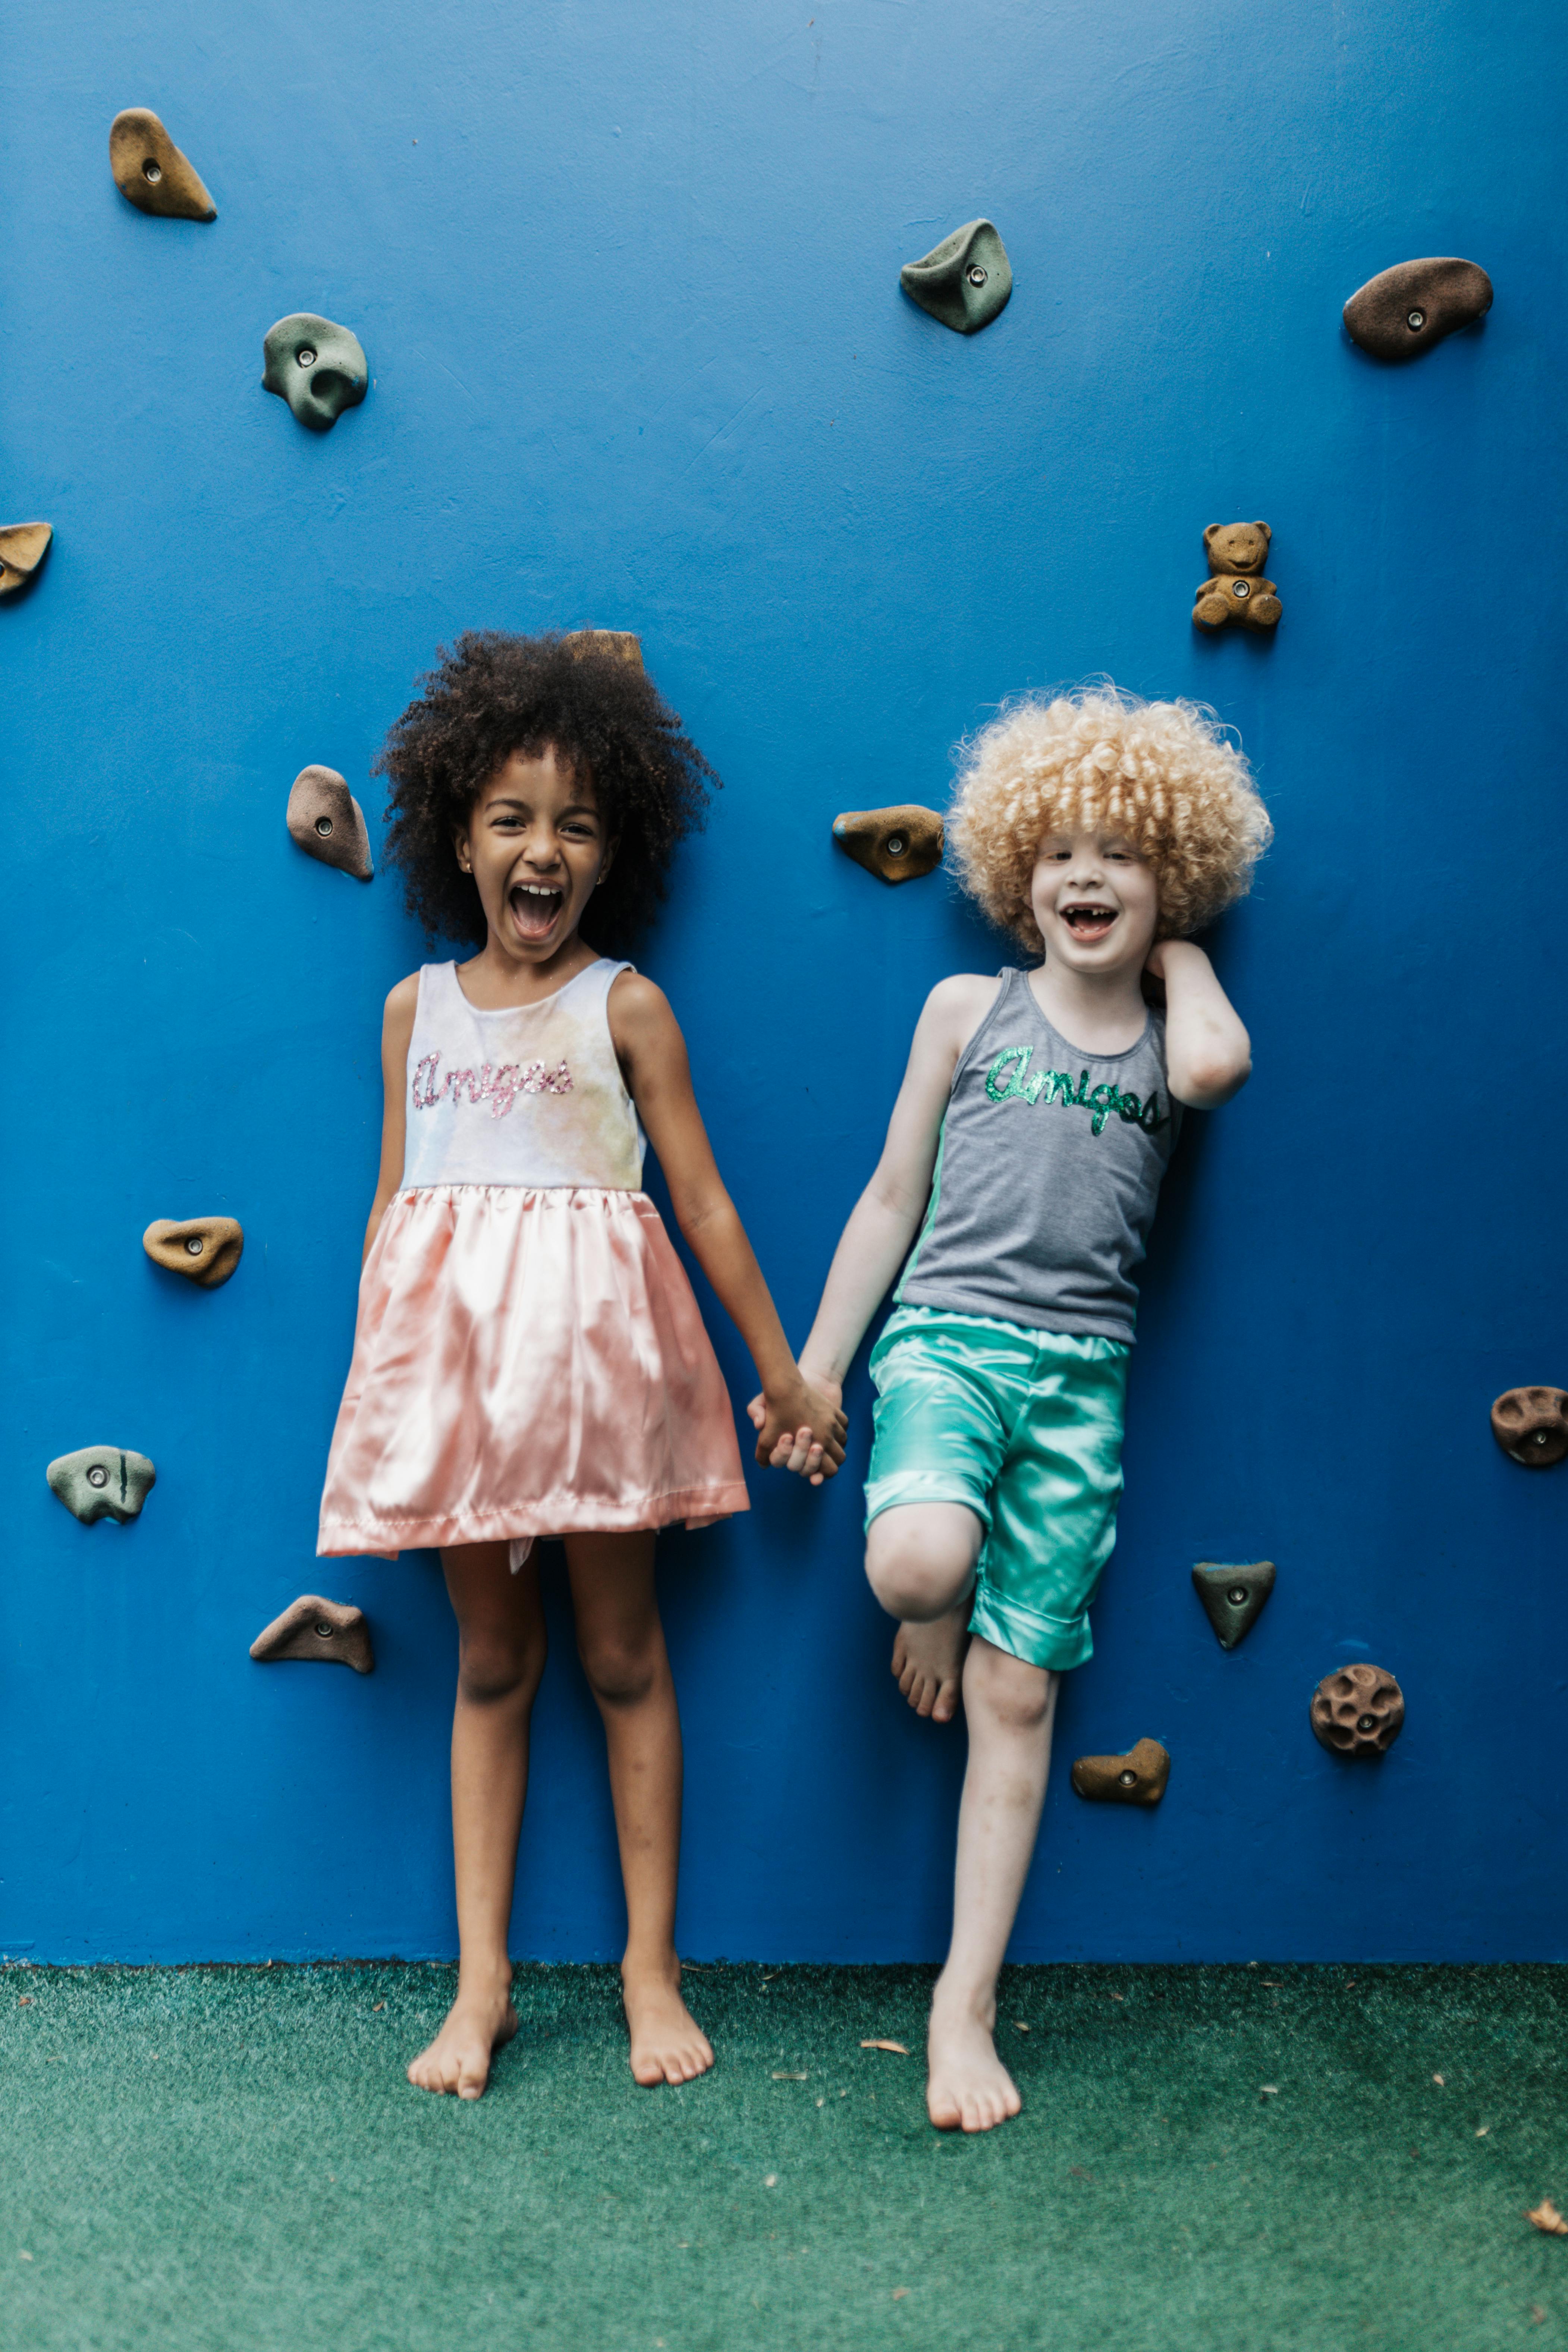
535,844
1096,902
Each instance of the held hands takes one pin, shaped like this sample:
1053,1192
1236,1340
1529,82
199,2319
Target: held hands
801,1426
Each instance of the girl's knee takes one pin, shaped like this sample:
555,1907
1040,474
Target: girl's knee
492,1668
620,1672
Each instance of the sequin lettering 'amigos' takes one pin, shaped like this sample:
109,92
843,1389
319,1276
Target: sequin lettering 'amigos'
1005,1085
495,1089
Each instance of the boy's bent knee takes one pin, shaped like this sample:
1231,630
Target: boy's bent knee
920,1557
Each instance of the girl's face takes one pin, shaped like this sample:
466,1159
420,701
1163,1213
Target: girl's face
1095,900
535,844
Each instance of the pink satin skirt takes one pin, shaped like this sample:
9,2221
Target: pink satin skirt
525,1363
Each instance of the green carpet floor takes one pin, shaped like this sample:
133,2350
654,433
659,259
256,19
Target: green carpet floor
229,2159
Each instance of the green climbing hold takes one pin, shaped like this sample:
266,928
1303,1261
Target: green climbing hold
317,367
103,1482
1232,1597
965,281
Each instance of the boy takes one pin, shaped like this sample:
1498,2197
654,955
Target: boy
1035,1119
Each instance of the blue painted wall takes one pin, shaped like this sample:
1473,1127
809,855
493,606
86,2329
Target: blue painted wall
627,280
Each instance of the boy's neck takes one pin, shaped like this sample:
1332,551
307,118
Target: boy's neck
1102,1012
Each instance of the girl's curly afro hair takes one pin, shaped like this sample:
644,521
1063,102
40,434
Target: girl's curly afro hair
491,695
1164,775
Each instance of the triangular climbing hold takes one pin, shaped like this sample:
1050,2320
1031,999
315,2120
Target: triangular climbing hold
22,547
965,281
327,1632
1232,1595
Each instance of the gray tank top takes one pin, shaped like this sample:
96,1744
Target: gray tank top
1046,1175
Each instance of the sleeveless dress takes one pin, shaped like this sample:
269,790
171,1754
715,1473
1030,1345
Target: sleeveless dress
529,1358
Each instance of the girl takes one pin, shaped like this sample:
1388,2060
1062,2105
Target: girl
529,1358
1026,1149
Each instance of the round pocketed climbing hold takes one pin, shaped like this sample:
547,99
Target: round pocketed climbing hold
1358,1711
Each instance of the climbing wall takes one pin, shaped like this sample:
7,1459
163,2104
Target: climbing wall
592,317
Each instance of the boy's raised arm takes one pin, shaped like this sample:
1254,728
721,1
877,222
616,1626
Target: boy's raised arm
1209,1054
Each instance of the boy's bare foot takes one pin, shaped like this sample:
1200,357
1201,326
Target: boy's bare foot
967,2088
928,1662
458,2060
668,2043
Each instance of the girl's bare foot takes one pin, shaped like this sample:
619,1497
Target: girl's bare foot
668,2043
968,2088
928,1662
476,2024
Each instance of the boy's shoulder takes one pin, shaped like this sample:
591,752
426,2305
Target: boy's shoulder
964,998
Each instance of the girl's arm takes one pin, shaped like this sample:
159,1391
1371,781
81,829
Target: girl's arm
652,1055
396,1034
1209,1054
885,1219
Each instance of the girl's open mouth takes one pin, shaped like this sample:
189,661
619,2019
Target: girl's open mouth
535,907
1088,923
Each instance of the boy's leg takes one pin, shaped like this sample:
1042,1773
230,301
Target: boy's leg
1010,1707
621,1643
501,1657
920,1563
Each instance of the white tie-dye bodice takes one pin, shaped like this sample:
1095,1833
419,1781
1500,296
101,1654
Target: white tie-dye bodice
531,1094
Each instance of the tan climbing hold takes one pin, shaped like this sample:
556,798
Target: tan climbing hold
899,843
1531,1426
1547,2218
150,171
1138,1777
328,823
322,1632
619,642
1358,1711
22,550
204,1249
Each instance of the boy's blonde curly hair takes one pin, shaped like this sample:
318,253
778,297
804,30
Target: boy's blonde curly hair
1162,774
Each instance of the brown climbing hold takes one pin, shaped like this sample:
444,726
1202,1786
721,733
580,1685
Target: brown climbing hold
326,1633
150,171
1531,1426
1138,1777
328,823
1403,312
899,843
1358,1711
204,1249
21,548
1547,2218
619,642
1236,589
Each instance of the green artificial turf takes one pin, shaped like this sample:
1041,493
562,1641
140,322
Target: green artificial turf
229,2159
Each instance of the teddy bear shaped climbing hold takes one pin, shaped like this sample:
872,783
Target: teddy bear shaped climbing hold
1238,591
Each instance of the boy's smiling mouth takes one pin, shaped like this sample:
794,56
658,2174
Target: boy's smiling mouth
535,907
1088,922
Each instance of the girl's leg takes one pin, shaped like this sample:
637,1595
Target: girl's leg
621,1643
920,1560
1010,1707
501,1657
